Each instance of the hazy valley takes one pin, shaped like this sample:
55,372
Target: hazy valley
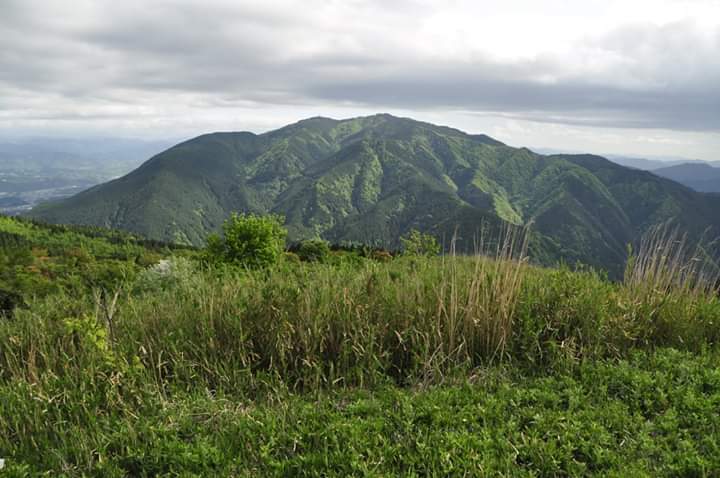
34,170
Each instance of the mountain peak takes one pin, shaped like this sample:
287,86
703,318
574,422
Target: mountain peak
374,178
697,166
696,175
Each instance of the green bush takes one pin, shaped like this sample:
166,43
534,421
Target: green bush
314,250
291,257
250,240
417,243
346,258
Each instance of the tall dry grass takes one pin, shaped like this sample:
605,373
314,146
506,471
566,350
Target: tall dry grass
310,326
671,288
478,311
667,263
306,325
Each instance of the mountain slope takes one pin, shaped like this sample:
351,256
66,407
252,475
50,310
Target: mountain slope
698,176
372,179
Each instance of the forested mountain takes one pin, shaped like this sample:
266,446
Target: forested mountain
698,176
372,179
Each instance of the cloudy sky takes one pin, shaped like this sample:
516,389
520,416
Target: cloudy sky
607,76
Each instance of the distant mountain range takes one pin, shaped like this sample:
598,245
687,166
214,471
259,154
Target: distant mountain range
374,178
36,168
703,176
646,164
654,163
698,176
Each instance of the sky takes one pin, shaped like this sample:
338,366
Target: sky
634,77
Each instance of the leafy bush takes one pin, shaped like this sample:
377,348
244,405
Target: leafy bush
291,257
381,256
250,240
417,243
314,250
341,258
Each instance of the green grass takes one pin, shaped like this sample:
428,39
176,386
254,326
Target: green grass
651,415
354,367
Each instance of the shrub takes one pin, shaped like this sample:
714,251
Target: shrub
417,243
250,240
350,258
314,250
292,258
381,256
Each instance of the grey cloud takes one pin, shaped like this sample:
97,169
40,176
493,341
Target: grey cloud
670,79
571,102
668,76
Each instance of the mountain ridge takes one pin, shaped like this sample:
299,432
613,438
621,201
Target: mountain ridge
373,178
703,177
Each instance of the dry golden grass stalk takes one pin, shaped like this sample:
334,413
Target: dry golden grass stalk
477,316
665,263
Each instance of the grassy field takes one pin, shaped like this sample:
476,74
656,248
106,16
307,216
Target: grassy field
414,366
654,414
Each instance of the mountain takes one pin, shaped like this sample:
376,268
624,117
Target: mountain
372,179
645,164
642,163
698,176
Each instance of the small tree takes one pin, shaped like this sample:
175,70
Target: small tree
251,240
417,243
314,250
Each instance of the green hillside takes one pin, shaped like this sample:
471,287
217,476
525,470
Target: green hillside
372,179
39,260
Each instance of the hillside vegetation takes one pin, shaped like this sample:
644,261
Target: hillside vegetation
373,179
353,364
37,260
